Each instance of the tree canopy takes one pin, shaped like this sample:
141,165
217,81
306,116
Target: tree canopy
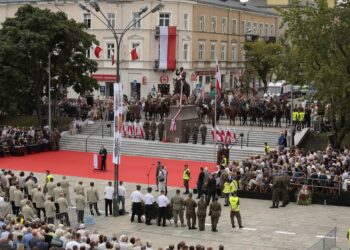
26,41
317,50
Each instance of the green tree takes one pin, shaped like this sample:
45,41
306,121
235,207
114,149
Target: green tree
262,58
318,51
25,44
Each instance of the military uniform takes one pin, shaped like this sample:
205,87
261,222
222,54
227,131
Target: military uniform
178,204
92,199
63,207
50,211
276,191
201,213
28,213
161,130
80,202
191,205
285,179
39,198
146,127
153,130
215,212
195,131
203,130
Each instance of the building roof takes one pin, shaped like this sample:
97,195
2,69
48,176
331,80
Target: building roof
236,4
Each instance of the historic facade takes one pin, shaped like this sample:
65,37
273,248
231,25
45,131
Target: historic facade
205,29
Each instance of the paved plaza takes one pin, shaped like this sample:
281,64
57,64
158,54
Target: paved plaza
293,227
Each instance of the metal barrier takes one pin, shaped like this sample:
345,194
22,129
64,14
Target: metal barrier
328,242
86,140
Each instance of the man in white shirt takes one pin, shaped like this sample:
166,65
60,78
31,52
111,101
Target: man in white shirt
163,202
149,200
162,178
121,196
136,199
109,192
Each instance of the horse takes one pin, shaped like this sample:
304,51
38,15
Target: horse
231,113
205,111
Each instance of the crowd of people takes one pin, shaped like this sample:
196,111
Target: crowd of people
28,139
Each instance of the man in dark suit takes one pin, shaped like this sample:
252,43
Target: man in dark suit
103,153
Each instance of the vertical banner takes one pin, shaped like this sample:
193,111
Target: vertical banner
118,122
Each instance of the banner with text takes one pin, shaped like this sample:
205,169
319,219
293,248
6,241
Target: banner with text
118,122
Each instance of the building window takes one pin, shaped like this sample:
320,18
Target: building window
242,27
261,28
266,30
234,52
234,26
110,48
201,23
255,29
185,52
185,21
213,24
223,54
111,19
272,30
164,19
224,25
135,18
201,51
87,19
213,51
249,28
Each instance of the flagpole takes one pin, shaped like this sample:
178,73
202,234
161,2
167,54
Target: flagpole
215,137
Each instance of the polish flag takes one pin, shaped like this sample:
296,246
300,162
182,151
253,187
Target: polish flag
212,134
223,135
219,137
132,130
228,136
167,51
124,130
129,129
112,57
234,136
142,132
136,129
134,54
97,50
218,78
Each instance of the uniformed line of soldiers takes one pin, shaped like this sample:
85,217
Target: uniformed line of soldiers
151,128
280,190
187,132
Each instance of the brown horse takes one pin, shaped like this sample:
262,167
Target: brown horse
231,113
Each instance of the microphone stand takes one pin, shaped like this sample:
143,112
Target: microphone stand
149,171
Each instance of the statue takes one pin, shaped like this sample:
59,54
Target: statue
181,77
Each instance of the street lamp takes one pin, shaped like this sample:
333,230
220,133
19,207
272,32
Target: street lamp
118,36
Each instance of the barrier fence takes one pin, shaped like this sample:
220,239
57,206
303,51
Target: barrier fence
327,242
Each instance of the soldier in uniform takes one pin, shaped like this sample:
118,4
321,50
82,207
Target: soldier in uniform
195,131
215,212
65,186
39,198
50,210
161,130
191,205
276,191
146,127
28,213
201,213
178,204
92,198
80,205
203,130
63,206
153,129
285,179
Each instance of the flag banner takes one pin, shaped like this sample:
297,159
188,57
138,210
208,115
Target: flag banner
97,50
228,137
234,136
167,51
118,122
112,57
134,54
218,78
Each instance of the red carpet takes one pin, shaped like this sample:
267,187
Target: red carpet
132,168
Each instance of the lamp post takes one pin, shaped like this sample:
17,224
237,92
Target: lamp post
118,36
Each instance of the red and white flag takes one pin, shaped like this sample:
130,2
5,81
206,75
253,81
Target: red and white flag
219,137
112,57
223,135
134,54
218,78
124,130
132,130
212,135
97,50
167,51
228,136
142,132
234,136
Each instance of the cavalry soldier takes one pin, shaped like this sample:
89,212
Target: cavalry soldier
203,130
146,127
195,131
161,130
186,177
215,212
235,208
178,204
191,205
153,129
201,213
